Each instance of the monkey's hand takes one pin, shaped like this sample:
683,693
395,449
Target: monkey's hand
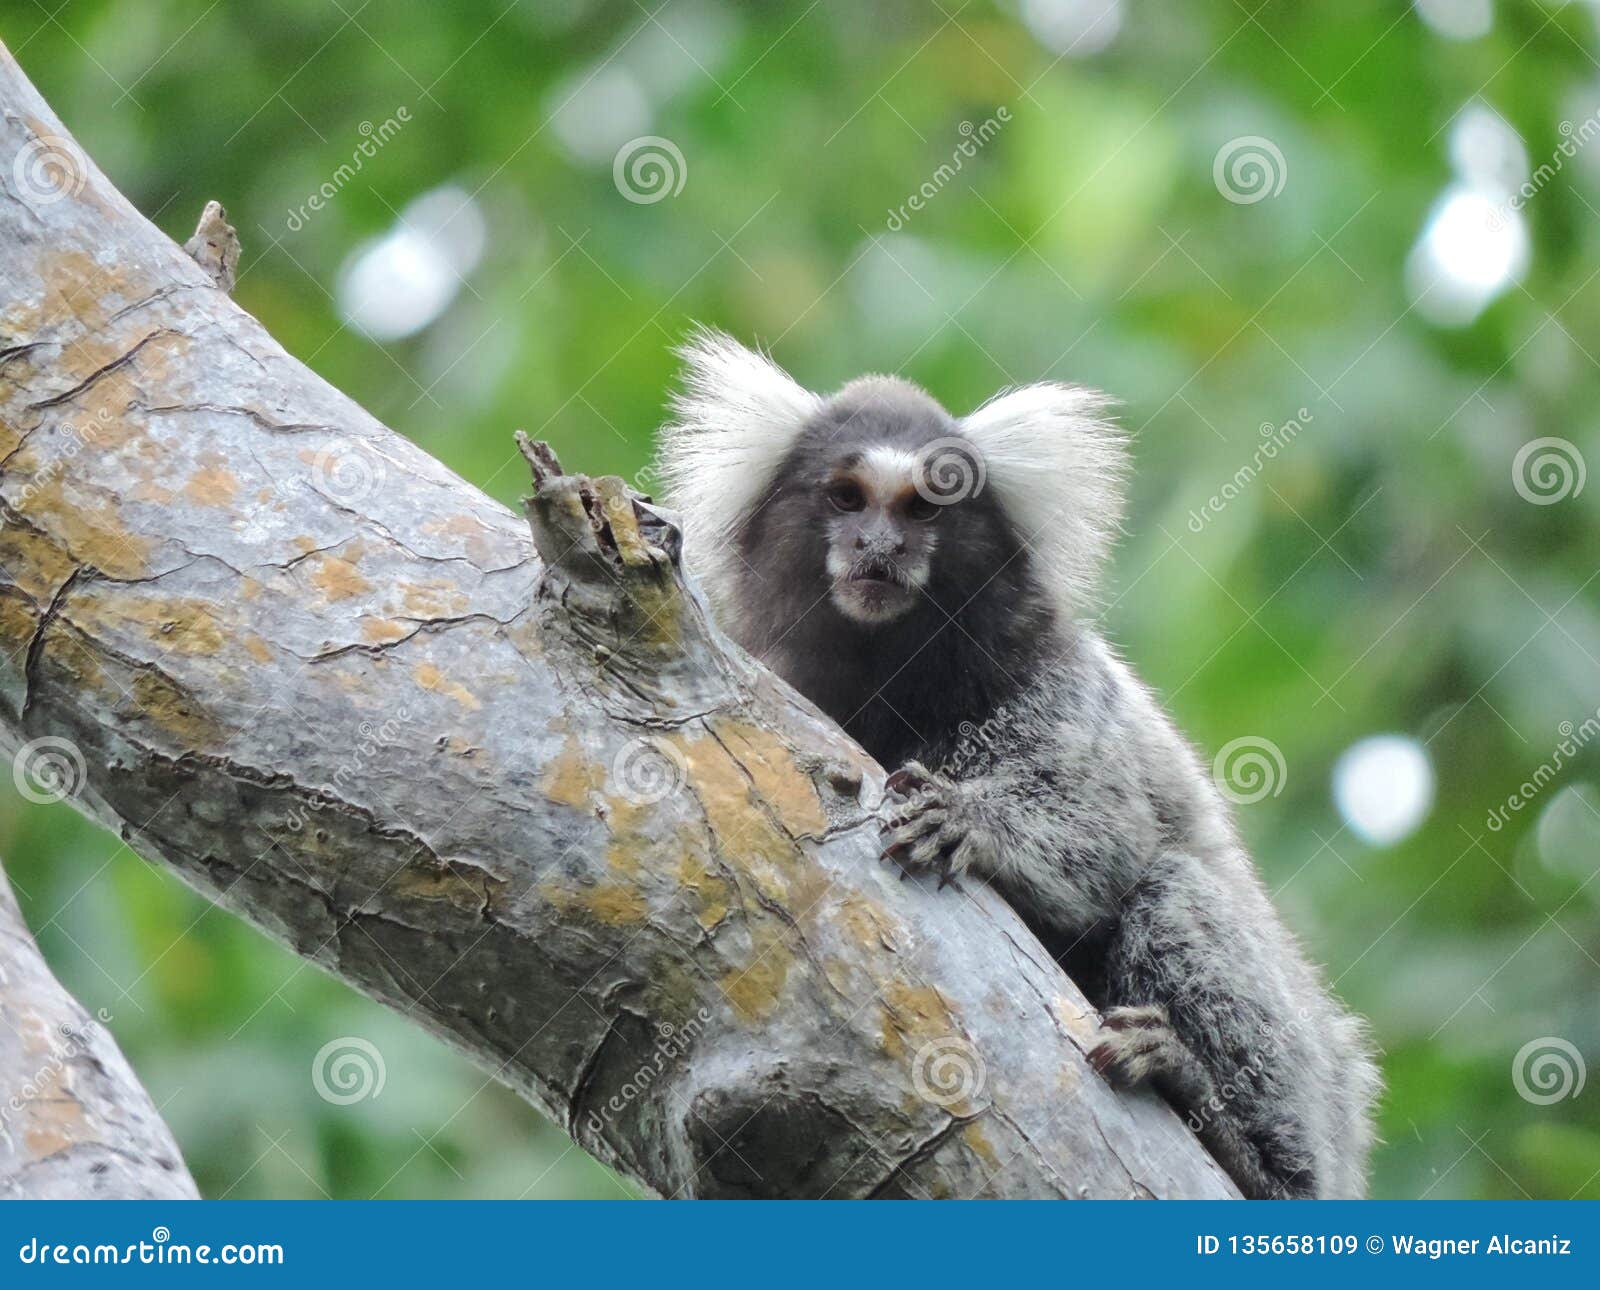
928,824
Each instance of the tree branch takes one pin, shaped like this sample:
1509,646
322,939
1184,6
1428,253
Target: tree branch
540,806
74,1122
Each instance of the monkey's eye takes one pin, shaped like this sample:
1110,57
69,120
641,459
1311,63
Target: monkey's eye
922,509
846,495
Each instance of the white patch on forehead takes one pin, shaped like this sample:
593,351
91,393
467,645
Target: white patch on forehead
887,471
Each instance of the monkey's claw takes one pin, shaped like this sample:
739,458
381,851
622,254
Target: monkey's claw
924,829
911,777
1136,1044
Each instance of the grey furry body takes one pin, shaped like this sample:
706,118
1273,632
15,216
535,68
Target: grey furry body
1093,818
950,642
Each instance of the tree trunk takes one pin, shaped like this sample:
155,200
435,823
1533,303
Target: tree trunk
538,804
74,1122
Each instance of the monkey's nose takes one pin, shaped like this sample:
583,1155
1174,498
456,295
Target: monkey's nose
861,542
900,548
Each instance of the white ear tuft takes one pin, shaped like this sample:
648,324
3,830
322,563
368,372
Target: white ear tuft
733,421
1059,466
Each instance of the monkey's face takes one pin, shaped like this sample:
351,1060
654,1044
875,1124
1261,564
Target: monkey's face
882,529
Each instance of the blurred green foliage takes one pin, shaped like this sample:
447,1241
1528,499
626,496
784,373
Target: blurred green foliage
1381,573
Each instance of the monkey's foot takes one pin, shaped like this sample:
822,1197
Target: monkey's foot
927,827
1138,1044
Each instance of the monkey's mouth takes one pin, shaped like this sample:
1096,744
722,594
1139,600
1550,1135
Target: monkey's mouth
874,590
878,571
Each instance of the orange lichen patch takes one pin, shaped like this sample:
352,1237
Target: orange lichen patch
431,678
615,904
525,639
258,649
98,413
73,663
471,533
35,564
920,1006
213,484
337,578
55,1124
724,791
756,989
18,622
433,599
382,631
63,273
161,702
177,623
87,533
571,777
981,1147
1078,1021
147,490
890,1038
867,923
788,790
746,835
916,1014
30,1028
711,892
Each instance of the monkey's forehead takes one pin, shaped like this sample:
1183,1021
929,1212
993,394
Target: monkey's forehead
886,471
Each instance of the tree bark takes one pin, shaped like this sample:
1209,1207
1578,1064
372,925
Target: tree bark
538,804
74,1121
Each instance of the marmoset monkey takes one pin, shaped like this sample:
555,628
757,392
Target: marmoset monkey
926,581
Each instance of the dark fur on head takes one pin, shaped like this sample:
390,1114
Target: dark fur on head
968,624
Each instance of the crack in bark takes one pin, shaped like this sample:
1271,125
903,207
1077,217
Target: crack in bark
104,370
